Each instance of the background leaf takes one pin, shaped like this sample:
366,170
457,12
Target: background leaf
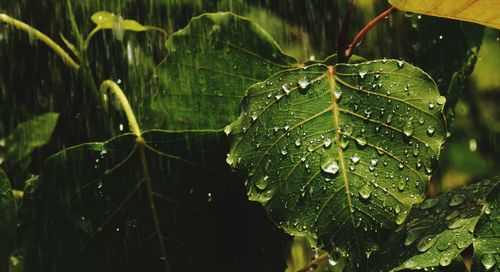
108,20
483,12
8,216
88,210
437,230
210,64
340,154
487,235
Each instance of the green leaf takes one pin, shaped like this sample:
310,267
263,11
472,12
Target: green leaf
90,210
487,235
483,12
8,216
340,153
437,230
108,20
29,135
210,64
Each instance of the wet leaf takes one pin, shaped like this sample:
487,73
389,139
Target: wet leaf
487,235
339,153
108,20
8,216
437,230
89,209
483,12
29,135
210,64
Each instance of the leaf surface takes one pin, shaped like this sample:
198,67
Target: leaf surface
487,235
8,216
339,153
89,209
485,12
437,230
210,64
29,135
108,20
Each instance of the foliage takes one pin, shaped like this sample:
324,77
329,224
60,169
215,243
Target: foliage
338,153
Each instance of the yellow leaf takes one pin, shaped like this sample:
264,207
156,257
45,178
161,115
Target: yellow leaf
107,20
485,12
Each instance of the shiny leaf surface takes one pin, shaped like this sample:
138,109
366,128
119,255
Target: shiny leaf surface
340,153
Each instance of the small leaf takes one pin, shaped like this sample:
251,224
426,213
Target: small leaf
8,217
437,230
70,45
29,135
89,209
484,12
211,63
346,149
487,235
108,20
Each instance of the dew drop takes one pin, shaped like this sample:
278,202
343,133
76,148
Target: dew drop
408,129
327,142
452,215
303,83
361,141
344,142
426,243
337,93
431,131
227,129
262,183
456,200
446,259
412,235
284,151
285,89
330,165
429,203
441,100
431,105
455,224
388,119
488,261
365,192
362,74
355,158
400,63
298,142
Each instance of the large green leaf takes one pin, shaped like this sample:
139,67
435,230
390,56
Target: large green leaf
487,235
210,64
437,231
8,217
485,12
340,153
29,135
89,210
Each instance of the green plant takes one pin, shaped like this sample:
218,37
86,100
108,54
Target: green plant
339,151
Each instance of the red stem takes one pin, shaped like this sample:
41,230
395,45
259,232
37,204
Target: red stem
370,25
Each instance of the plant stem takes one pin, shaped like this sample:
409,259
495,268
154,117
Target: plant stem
116,90
74,26
342,36
42,37
314,262
361,34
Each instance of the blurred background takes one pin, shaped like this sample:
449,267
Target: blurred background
463,59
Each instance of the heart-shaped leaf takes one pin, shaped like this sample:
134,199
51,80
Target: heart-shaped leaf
126,206
487,235
485,12
8,217
437,231
108,20
210,64
340,153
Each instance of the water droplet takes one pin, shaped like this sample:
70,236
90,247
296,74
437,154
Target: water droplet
441,100
416,149
408,129
446,259
344,142
401,185
355,158
337,92
365,192
279,96
298,142
452,215
456,200
254,116
361,141
330,165
401,216
303,83
455,224
426,243
400,63
431,105
388,120
488,261
431,131
262,183
327,142
209,197
362,74
284,151
285,89
429,203
227,129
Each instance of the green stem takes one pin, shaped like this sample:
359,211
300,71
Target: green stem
116,90
42,37
74,26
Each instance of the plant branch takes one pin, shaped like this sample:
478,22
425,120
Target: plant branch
314,262
362,33
342,36
42,37
116,90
